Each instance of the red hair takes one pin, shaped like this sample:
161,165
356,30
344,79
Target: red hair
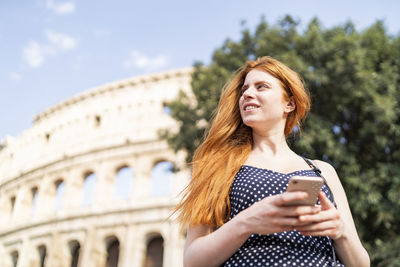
228,143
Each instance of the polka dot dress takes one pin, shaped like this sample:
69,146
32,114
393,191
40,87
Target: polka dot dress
252,184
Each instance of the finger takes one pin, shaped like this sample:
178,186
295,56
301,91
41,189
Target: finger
287,197
332,233
285,221
331,214
302,224
325,202
318,227
299,210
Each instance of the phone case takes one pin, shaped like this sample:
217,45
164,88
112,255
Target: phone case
311,185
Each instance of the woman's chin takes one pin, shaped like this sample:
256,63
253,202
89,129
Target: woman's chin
251,123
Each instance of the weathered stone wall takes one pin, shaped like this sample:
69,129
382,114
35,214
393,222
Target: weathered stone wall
96,132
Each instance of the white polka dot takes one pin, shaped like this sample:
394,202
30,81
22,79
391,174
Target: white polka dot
290,248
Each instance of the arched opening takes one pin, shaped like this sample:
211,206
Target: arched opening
12,205
59,184
11,208
42,255
161,176
166,109
112,252
74,248
88,189
14,258
123,182
97,120
154,252
34,195
47,135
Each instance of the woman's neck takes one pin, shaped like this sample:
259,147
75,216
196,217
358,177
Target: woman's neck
270,144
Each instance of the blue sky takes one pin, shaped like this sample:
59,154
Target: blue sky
53,49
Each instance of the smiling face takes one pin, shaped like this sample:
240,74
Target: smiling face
263,103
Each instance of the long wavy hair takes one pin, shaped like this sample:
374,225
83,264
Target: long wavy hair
228,143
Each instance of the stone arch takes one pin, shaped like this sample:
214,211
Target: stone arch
124,176
42,250
74,250
13,199
34,198
88,188
97,120
14,258
166,109
89,149
112,251
161,178
59,186
22,205
154,250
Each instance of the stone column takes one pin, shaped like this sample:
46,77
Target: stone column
31,255
73,189
126,251
141,185
104,188
123,254
67,255
46,197
179,181
5,259
5,210
55,255
173,245
25,253
23,208
93,250
86,248
138,247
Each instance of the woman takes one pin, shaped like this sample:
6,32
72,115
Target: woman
235,202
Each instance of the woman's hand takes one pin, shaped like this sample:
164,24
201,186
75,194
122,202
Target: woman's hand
272,215
328,222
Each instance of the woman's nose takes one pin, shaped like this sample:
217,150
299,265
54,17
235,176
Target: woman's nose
248,93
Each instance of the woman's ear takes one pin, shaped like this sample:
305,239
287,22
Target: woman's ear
291,105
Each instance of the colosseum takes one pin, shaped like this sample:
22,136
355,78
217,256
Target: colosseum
91,184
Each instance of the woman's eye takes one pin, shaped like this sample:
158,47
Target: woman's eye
261,86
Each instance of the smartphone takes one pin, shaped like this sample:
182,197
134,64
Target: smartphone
311,185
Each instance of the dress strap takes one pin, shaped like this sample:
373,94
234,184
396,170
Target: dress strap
318,172
312,165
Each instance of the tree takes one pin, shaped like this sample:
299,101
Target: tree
354,80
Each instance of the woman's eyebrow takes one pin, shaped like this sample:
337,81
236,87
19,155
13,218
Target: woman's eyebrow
263,82
245,86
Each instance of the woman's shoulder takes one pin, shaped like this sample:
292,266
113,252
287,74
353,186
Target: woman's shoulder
324,166
328,171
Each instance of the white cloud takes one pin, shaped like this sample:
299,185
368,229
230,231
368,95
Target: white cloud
35,53
138,60
15,76
60,8
60,40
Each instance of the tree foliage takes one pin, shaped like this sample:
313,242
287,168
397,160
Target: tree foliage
354,80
